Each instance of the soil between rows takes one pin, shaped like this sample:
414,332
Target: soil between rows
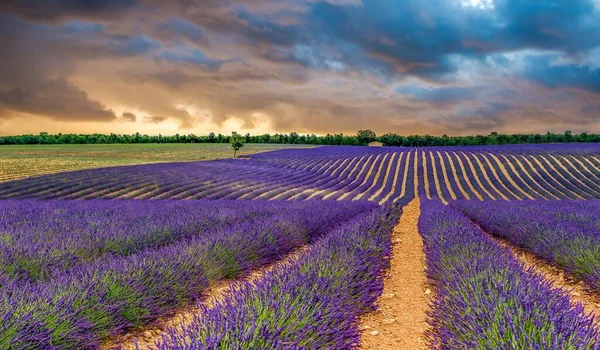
400,322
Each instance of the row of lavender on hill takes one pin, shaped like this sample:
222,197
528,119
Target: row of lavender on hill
347,173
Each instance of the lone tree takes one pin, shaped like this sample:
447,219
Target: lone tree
237,142
366,136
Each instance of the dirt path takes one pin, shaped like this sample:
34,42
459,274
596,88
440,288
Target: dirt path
148,336
401,321
578,291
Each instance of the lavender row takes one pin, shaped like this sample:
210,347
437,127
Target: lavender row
340,172
485,299
81,307
475,174
39,238
313,303
565,233
543,171
346,173
499,172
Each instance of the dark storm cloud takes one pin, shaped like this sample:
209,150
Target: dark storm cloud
55,98
428,39
154,120
180,30
53,10
442,95
128,117
92,39
422,38
310,65
545,70
195,57
567,25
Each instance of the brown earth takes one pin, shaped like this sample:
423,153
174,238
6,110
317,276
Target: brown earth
577,289
148,336
400,321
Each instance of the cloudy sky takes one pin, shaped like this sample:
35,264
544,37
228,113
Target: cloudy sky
318,66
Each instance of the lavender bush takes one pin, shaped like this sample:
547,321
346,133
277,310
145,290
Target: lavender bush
39,238
486,299
79,307
313,303
565,233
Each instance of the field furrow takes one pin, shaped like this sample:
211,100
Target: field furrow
342,173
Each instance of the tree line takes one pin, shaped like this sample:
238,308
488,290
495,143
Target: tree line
362,137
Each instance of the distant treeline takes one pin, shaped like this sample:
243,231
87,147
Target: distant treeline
361,138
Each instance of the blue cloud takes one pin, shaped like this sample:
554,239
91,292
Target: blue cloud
53,10
81,27
181,28
136,45
421,36
544,70
193,56
384,38
436,95
424,39
566,25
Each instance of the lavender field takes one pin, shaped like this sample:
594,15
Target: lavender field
74,273
380,175
92,256
487,299
565,233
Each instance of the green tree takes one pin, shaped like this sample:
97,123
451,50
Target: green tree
366,136
211,137
237,142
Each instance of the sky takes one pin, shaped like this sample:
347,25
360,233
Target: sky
455,67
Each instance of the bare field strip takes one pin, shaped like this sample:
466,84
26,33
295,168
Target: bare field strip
476,175
553,187
400,321
487,178
426,183
514,171
574,173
